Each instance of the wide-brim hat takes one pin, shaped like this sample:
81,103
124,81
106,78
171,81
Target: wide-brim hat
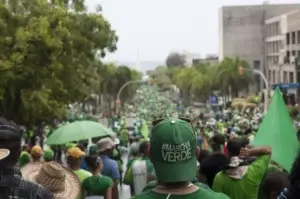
105,144
47,174
4,153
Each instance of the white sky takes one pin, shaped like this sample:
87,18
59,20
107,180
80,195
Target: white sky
156,27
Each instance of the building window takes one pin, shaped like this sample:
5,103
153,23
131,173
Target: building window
298,37
291,77
273,77
269,76
293,53
256,64
287,38
285,77
293,37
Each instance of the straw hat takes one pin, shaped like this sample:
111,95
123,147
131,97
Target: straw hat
4,153
59,180
37,151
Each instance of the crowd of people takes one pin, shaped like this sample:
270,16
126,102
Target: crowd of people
182,159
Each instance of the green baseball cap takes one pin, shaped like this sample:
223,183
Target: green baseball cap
173,151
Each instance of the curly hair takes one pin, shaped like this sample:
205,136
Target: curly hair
294,178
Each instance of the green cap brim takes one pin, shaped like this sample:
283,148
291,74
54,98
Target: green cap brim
178,172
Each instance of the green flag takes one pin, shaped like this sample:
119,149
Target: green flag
145,130
278,132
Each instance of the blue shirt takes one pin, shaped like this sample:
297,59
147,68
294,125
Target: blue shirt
110,168
83,165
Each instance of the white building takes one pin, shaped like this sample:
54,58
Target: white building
242,33
282,44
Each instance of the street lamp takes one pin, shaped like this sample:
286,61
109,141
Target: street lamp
241,71
145,78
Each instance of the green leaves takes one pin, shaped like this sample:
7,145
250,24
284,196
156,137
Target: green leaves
201,80
47,57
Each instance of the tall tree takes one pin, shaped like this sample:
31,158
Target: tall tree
175,59
47,56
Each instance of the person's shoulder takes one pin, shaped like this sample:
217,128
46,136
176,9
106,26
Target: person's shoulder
145,195
210,194
35,189
220,174
106,179
86,172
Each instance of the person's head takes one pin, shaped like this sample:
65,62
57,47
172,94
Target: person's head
74,157
203,154
82,147
48,155
94,163
59,180
173,150
24,159
136,139
294,178
144,148
274,184
25,148
217,142
234,146
36,153
298,134
211,165
93,150
10,138
106,146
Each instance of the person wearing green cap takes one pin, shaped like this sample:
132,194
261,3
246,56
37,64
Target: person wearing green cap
48,155
173,154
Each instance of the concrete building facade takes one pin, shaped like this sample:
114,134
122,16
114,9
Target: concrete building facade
282,44
242,33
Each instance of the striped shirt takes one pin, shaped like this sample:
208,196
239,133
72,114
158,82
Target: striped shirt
13,186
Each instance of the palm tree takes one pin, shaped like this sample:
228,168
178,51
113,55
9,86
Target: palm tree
229,77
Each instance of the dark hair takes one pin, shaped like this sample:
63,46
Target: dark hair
212,165
234,145
81,147
144,147
294,178
275,182
93,161
217,140
203,154
71,161
10,138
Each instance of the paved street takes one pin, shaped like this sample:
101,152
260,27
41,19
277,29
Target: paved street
124,192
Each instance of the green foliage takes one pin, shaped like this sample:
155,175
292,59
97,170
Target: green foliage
47,57
201,80
175,59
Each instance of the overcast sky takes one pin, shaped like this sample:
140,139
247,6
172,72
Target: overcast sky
156,27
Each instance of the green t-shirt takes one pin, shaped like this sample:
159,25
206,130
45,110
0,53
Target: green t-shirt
97,185
199,194
82,174
153,184
247,187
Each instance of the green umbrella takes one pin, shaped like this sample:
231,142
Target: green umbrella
79,130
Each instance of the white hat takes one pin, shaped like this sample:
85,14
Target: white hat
106,143
4,153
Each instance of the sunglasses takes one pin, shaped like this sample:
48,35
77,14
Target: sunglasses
156,122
